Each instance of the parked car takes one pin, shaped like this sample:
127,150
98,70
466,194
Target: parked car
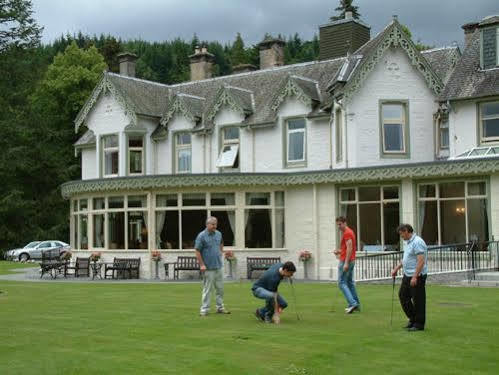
33,250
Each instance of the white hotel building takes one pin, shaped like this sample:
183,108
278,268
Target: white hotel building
383,134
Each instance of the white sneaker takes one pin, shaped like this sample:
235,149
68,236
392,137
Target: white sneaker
350,310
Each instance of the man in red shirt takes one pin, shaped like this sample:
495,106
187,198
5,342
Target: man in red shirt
347,262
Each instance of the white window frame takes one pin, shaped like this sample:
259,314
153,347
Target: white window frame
484,139
402,121
438,199
440,121
141,149
180,147
229,150
381,201
109,150
296,162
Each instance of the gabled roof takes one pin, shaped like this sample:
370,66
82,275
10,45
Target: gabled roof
370,54
189,106
468,80
239,99
138,97
443,60
304,89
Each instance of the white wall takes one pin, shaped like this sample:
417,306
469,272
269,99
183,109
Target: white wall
89,164
393,78
462,127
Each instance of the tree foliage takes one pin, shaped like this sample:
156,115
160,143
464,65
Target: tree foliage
346,6
17,26
420,46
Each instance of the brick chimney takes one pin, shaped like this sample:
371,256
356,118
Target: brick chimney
271,52
337,38
201,64
469,29
127,63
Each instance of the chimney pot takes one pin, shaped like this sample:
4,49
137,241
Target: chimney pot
127,63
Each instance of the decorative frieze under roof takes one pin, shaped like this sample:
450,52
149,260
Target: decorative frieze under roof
304,89
238,99
189,106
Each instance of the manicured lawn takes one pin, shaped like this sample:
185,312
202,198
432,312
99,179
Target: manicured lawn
98,328
7,267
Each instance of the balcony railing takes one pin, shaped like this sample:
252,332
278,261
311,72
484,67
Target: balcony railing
468,257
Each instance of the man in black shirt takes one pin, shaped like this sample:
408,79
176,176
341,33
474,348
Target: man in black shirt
266,288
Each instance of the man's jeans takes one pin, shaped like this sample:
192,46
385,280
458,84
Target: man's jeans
268,296
212,278
347,285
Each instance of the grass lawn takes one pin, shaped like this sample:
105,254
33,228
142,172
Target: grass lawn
98,328
7,267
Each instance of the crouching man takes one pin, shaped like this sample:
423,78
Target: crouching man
266,288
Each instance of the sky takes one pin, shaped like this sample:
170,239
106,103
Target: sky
433,22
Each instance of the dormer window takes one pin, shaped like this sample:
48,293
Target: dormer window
110,153
229,154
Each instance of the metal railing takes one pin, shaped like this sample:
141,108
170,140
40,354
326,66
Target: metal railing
468,257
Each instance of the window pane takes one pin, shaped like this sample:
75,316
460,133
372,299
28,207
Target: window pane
135,142
369,193
427,191
476,188
390,192
116,230
111,162
83,232
350,212
279,229
444,138
452,222
137,201
394,137
223,199
258,228
231,133
194,199
184,160
478,224
99,230
226,224
135,161
296,146
347,195
296,124
99,204
115,202
428,221
393,111
110,141
184,139
490,109
452,190
370,227
83,204
391,221
167,231
491,128
193,222
137,230
279,199
257,199
168,200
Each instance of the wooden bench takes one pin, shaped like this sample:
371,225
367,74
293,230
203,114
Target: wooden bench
260,264
81,267
123,267
186,264
52,263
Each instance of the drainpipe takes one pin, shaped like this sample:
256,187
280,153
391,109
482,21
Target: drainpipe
316,232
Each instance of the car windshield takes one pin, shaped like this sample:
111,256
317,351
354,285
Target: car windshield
31,244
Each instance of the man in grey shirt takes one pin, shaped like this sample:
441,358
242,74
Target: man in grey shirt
209,251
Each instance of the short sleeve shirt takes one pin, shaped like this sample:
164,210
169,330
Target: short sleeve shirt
348,234
413,247
208,244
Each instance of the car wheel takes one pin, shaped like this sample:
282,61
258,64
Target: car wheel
23,257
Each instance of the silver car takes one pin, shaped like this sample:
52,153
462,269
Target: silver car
33,250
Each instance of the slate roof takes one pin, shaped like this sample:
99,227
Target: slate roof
86,140
468,80
443,60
